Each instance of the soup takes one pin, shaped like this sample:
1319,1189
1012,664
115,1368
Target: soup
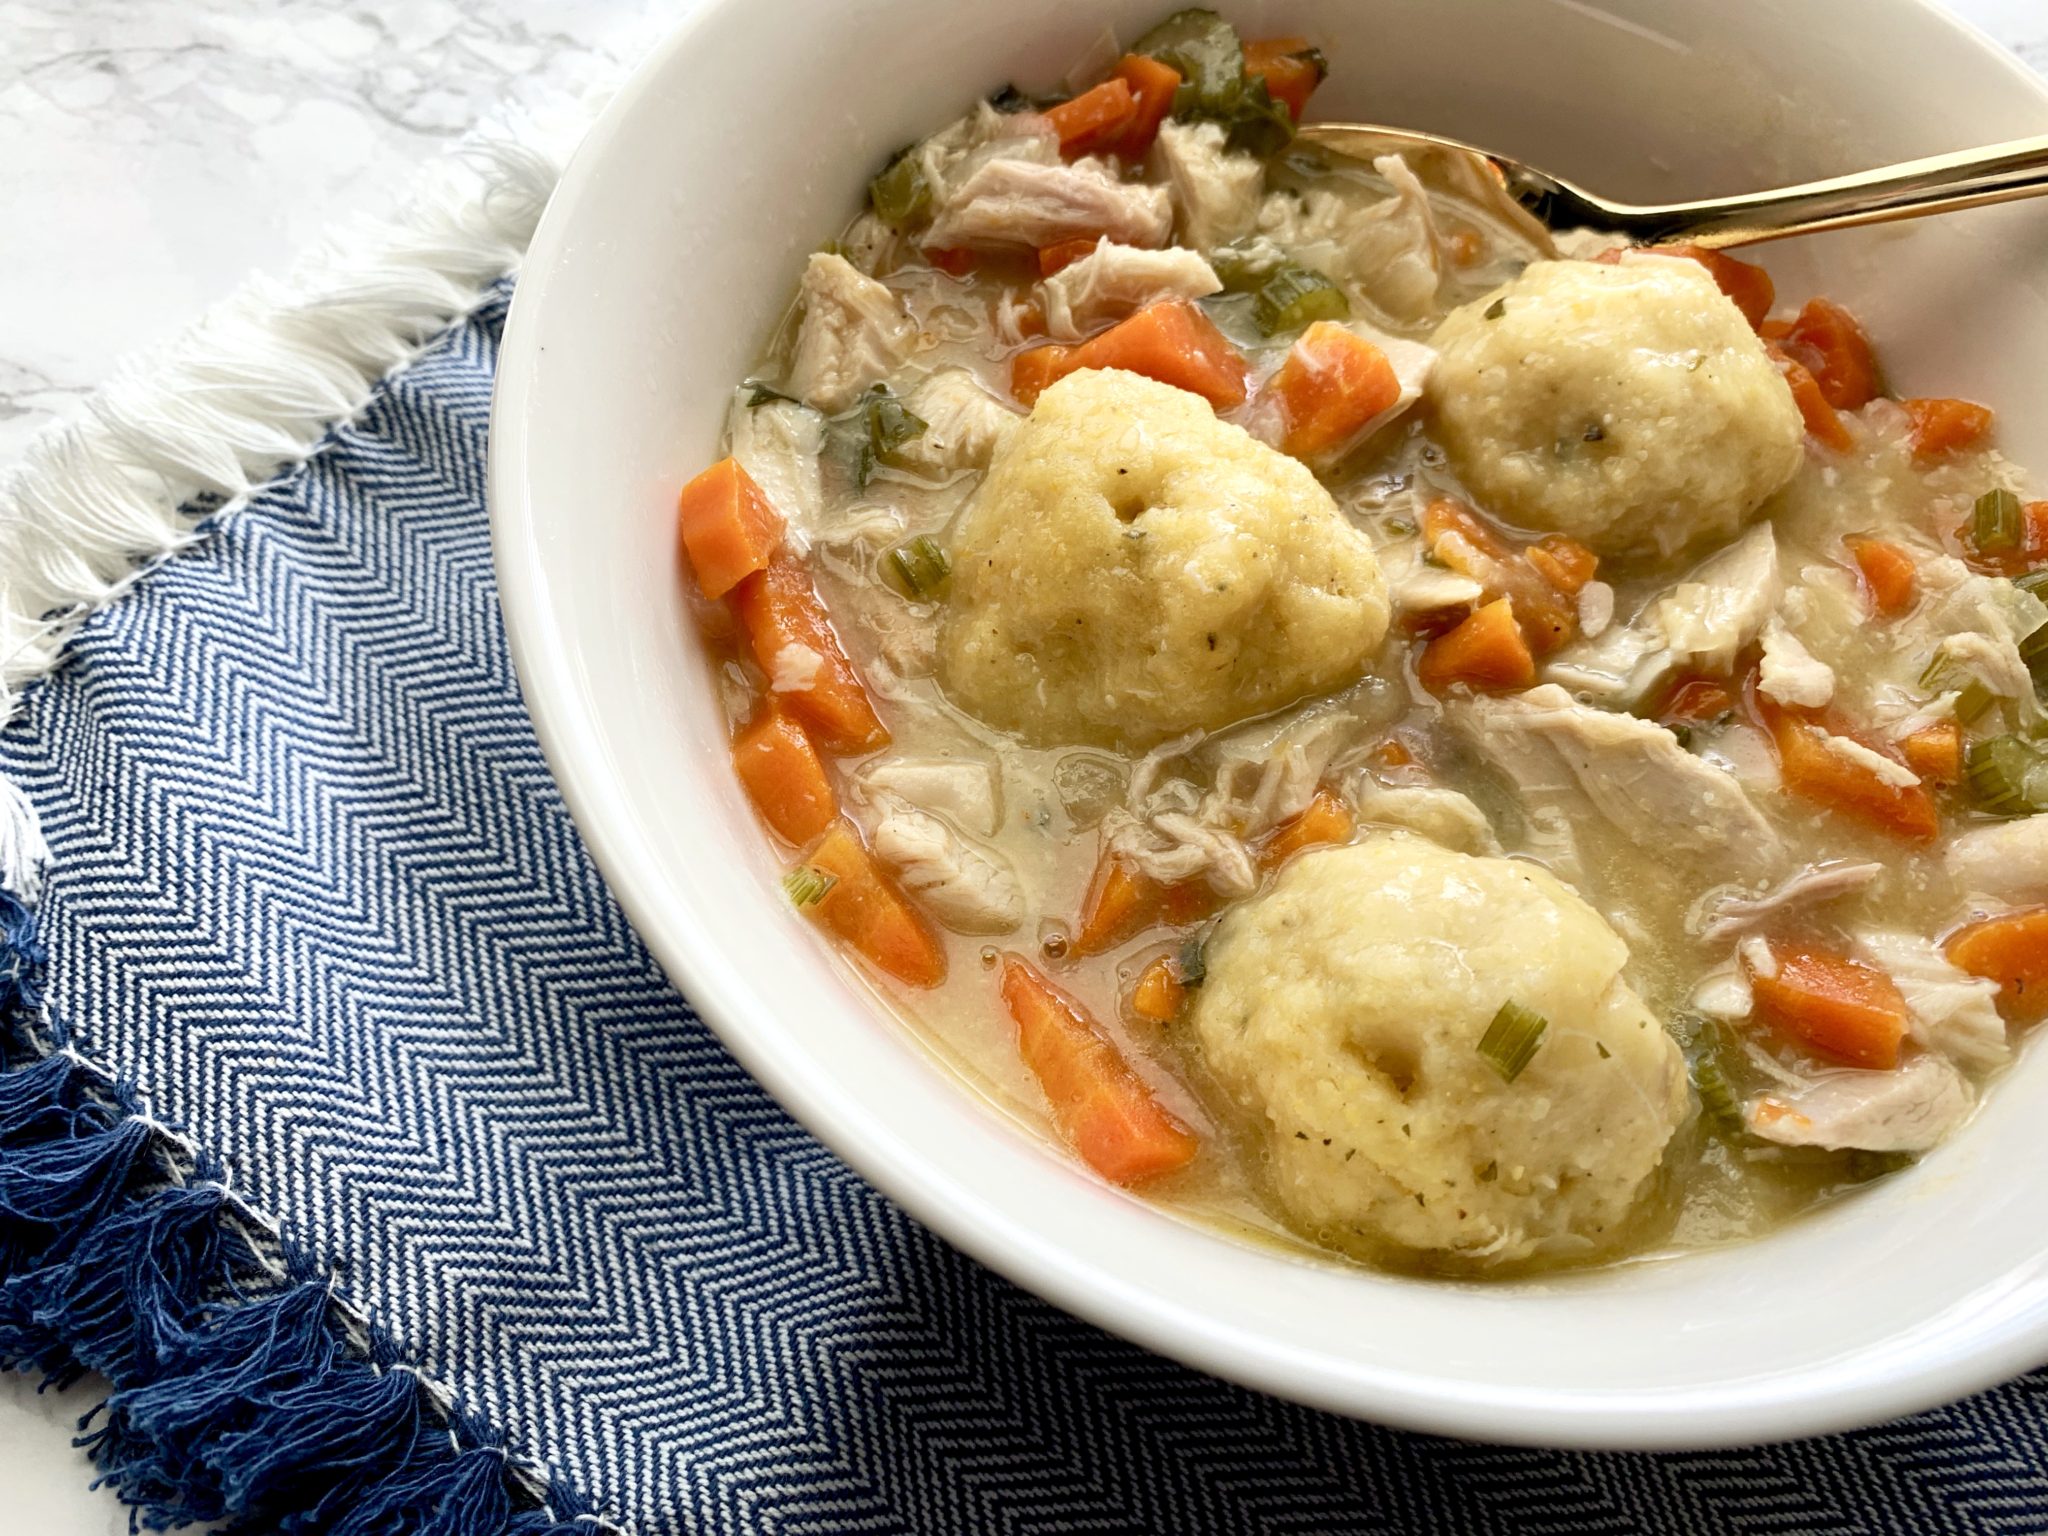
1371,723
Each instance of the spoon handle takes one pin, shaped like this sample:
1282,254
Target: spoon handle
1970,178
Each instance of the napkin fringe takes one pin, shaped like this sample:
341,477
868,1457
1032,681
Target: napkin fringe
191,429
245,1384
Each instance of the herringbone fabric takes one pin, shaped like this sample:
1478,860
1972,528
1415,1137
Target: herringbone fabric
315,892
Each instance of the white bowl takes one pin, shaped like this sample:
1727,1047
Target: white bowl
675,241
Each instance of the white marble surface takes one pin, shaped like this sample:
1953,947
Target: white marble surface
152,152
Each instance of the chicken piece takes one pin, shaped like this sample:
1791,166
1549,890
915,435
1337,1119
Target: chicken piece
1953,1013
1171,845
1699,624
1565,757
1264,777
1791,673
1445,817
778,442
1726,912
1118,280
962,792
1909,1109
1385,249
969,889
964,425
2006,861
948,158
1416,587
1009,204
1215,193
853,334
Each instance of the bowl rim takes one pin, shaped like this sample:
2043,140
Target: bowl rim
1787,1407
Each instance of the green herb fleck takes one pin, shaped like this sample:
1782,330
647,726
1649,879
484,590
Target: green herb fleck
1193,962
759,394
1495,310
1293,297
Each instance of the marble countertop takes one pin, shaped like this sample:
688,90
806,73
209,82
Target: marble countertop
157,151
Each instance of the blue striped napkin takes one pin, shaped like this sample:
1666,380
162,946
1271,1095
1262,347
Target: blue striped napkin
364,1148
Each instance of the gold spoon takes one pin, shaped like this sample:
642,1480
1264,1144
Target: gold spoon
1969,178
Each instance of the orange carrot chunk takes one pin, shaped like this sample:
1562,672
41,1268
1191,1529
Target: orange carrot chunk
788,627
1095,119
1291,68
729,527
869,915
1747,286
1063,253
1152,86
1823,424
1839,780
1935,752
1486,651
1836,1005
1120,902
1159,993
1695,701
1826,339
1941,427
1889,574
1171,341
1330,387
2011,950
784,776
1563,562
1106,1112
1327,820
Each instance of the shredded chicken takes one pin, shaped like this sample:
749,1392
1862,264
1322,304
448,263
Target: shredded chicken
1723,993
1699,624
2006,861
1384,249
1596,609
1566,758
963,792
795,670
1445,817
1884,769
1953,1012
1726,912
1009,204
778,443
1215,193
1791,673
968,888
964,424
1117,280
1909,1109
853,334
1418,586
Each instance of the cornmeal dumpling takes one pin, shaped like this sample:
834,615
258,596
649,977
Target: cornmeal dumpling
1343,1015
1134,568
1628,405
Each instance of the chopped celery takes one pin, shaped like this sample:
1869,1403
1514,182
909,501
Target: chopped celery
1510,1041
1996,522
1214,87
919,568
2006,776
901,194
1293,297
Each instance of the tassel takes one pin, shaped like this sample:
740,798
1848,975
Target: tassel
135,1282
440,1494
310,1448
53,1192
41,1103
21,979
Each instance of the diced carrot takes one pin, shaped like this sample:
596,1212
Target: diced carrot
1064,253
1331,385
2011,950
1122,902
955,261
1392,753
1563,562
1326,822
1747,285
1694,701
1818,772
2031,554
1935,752
1291,68
784,776
780,611
729,527
1095,119
1775,330
1823,424
1152,89
1107,1113
1465,245
1836,1005
1458,537
1943,427
1828,342
1171,341
865,910
1889,574
1159,993
1486,651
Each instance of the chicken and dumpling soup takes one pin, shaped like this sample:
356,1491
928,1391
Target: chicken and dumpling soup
1374,725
